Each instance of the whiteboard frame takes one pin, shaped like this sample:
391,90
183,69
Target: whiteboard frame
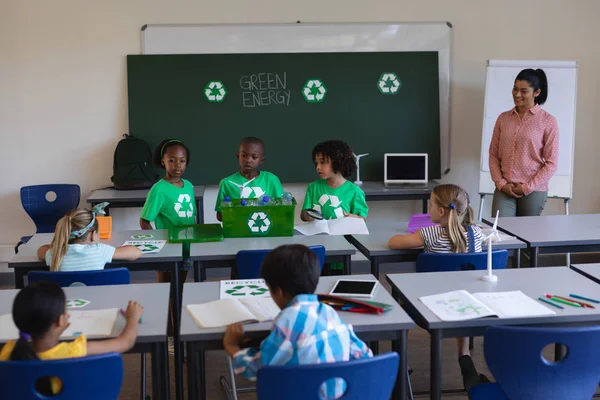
557,182
315,38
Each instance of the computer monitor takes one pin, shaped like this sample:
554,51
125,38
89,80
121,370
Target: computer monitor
405,168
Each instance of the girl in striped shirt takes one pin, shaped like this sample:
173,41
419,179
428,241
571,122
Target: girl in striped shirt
449,206
76,244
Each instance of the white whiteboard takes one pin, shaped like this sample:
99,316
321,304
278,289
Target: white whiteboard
561,102
314,38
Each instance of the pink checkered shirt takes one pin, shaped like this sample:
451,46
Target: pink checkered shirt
524,150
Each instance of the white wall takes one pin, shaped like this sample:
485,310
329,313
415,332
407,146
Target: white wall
63,97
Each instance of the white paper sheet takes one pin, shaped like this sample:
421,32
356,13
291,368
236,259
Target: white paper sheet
92,323
147,246
512,304
338,226
219,313
458,305
240,288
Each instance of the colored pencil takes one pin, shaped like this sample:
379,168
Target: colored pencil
576,296
569,303
549,302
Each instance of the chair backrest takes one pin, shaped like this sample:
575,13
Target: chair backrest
248,262
514,356
440,262
45,214
367,378
102,277
92,378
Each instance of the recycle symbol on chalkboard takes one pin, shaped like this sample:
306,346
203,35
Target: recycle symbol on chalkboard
259,222
215,91
314,91
389,83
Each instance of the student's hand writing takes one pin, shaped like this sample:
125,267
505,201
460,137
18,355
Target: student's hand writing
233,339
518,189
134,311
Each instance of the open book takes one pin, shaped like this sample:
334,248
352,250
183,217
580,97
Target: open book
91,323
338,226
224,312
460,305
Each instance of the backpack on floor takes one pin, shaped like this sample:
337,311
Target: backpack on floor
132,165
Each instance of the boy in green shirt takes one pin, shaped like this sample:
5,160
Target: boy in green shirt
333,195
249,182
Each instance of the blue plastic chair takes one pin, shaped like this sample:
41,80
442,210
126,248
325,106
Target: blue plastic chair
102,277
368,378
45,214
248,262
92,378
444,262
514,355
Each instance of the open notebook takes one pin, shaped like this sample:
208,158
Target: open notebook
92,323
224,312
460,305
338,226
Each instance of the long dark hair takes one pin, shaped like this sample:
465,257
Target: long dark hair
35,309
536,78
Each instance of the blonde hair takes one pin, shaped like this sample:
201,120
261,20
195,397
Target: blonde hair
72,221
460,214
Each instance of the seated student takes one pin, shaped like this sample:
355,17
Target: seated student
76,247
449,206
333,195
306,331
40,314
249,182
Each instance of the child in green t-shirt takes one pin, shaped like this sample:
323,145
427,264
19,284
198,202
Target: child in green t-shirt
333,195
249,182
171,201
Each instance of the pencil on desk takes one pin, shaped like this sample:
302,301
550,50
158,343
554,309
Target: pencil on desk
549,302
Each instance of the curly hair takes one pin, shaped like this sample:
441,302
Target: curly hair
162,147
340,154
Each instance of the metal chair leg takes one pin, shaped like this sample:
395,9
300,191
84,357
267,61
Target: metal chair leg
410,392
143,388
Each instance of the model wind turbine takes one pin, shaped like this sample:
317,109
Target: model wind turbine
358,157
491,277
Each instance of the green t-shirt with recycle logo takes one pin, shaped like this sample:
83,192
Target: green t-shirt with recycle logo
333,202
168,205
238,187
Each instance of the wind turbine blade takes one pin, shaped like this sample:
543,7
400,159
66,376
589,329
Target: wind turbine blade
495,227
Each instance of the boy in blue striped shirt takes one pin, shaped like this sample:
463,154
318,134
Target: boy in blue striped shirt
306,331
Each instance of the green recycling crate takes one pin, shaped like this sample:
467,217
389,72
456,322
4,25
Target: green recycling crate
258,221
197,233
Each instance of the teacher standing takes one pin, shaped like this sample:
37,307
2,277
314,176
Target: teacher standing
524,149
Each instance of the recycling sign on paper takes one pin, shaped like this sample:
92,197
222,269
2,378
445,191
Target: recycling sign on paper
77,303
259,222
327,200
243,288
314,91
389,83
215,91
147,246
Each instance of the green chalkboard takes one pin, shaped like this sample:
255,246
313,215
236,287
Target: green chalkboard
265,95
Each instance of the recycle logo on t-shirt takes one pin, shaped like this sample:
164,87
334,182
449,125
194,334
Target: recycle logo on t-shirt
248,192
334,202
259,222
184,206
